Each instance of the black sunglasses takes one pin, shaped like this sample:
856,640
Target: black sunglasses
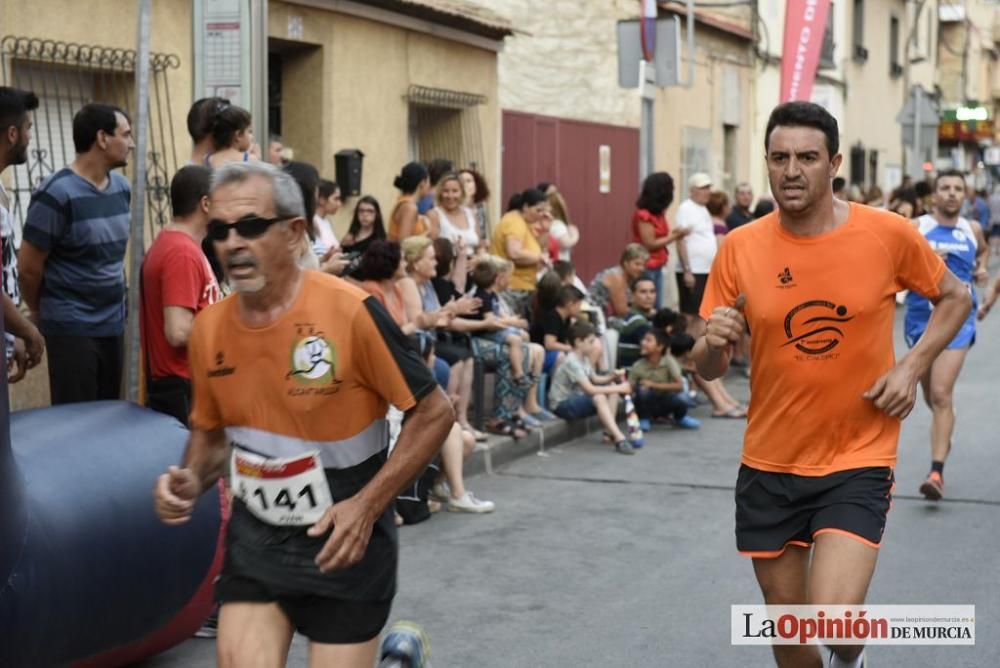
249,226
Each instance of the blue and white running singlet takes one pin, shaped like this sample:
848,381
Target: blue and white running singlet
960,243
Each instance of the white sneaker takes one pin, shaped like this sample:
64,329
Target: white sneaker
441,491
470,504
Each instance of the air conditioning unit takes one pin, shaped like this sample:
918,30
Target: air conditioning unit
860,53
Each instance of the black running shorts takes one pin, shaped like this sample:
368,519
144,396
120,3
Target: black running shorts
321,619
775,510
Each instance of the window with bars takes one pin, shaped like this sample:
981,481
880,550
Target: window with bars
445,124
67,76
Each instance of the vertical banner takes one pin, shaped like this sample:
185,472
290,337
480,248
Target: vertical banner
647,28
805,23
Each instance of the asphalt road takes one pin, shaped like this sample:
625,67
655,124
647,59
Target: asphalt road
594,559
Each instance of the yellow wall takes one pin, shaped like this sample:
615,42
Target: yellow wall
346,88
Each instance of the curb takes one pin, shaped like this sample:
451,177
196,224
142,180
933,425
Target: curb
502,450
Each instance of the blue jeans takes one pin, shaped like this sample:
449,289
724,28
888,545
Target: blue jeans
442,372
656,275
576,407
657,403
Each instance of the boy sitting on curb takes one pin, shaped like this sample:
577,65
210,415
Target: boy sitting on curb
658,383
577,392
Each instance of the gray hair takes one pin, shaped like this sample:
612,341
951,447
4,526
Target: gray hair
743,185
285,191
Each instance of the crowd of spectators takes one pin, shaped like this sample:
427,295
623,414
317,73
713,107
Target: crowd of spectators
466,291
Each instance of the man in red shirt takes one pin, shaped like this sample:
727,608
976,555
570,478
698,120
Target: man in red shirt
177,283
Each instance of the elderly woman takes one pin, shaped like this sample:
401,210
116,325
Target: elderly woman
610,290
452,345
381,266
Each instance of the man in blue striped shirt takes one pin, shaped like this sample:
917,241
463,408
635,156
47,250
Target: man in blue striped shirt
72,259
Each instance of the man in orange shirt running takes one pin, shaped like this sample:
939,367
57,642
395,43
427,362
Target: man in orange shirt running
815,283
292,376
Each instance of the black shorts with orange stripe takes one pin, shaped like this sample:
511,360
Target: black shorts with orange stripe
775,510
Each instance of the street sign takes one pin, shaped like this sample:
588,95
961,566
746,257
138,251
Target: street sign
666,60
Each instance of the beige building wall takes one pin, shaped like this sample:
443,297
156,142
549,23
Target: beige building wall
565,61
689,118
345,82
874,98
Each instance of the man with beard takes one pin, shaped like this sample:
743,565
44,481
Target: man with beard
72,259
962,245
23,344
827,396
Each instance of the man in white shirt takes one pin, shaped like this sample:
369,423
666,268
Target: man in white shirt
696,251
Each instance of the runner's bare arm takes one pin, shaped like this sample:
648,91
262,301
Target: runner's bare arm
426,426
207,455
896,390
981,273
992,293
177,490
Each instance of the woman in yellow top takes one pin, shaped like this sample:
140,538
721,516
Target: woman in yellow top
405,221
517,238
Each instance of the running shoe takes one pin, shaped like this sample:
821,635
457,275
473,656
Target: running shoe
625,448
210,627
468,503
688,422
933,487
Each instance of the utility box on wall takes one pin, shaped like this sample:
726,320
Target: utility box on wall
348,166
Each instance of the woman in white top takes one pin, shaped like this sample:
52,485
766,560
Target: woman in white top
450,219
327,204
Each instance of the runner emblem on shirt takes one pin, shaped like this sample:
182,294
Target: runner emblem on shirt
313,360
812,327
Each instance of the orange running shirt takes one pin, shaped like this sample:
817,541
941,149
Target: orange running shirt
820,311
317,379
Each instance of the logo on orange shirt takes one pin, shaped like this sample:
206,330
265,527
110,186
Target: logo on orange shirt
313,363
221,369
812,327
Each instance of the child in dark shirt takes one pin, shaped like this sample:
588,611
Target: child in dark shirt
485,276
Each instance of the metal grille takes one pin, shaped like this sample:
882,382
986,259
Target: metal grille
445,124
67,76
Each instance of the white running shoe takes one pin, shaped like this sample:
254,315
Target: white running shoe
470,504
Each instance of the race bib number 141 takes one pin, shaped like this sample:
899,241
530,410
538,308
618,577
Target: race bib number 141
284,492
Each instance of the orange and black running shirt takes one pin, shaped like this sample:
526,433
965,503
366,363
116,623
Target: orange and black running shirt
820,312
317,379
